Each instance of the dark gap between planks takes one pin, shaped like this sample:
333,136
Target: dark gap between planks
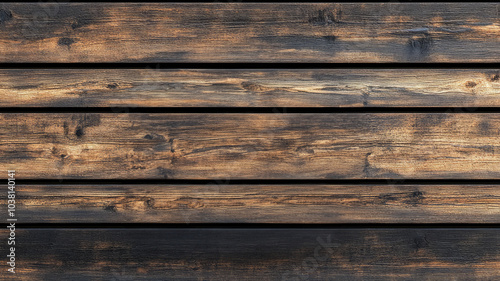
250,110
249,65
20,225
259,182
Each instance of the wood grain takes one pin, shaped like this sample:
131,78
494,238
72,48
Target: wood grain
249,32
264,254
251,146
152,87
222,203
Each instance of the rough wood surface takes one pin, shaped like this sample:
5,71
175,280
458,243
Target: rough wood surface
221,203
249,32
251,146
223,147
258,254
153,87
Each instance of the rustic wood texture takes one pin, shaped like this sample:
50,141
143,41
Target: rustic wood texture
250,32
154,87
224,147
221,203
251,146
259,254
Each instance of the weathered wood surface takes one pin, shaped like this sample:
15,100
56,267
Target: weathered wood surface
125,146
251,146
250,32
214,203
258,254
153,87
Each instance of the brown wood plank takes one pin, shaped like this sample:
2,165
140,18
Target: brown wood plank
214,203
250,146
153,87
249,32
263,254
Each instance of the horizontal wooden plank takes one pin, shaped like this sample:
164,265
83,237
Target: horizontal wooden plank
249,32
153,87
264,254
250,146
214,203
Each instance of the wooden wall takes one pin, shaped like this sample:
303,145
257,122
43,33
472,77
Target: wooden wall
251,141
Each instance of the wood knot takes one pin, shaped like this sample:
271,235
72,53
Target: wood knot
253,87
149,203
417,194
165,173
65,41
79,23
420,242
419,47
112,86
495,77
470,84
325,17
415,198
110,208
79,132
331,38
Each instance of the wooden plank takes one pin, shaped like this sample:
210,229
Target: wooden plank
264,254
152,87
250,32
251,146
214,203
